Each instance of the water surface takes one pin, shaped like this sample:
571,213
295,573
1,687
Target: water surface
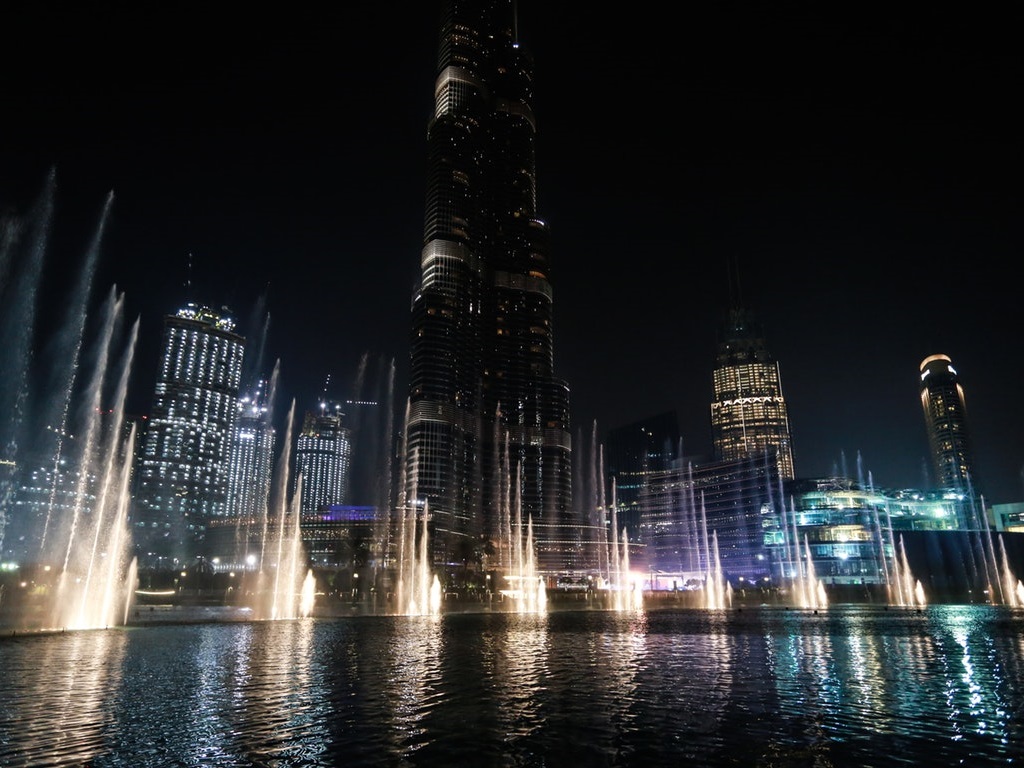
846,686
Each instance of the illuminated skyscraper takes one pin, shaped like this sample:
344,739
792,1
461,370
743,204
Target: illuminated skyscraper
252,456
183,469
748,413
482,344
945,418
322,459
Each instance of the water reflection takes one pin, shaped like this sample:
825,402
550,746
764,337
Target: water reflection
685,685
54,706
279,694
411,681
981,699
856,686
518,667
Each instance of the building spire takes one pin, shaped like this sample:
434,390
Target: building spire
735,289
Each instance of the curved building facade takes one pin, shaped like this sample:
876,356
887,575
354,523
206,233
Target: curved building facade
945,418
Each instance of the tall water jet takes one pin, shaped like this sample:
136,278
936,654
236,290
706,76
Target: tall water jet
717,591
717,594
906,591
76,538
372,463
307,599
419,587
1013,588
527,590
282,564
625,589
21,275
418,590
597,502
96,582
812,590
808,591
524,590
993,572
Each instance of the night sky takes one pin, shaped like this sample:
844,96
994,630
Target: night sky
860,165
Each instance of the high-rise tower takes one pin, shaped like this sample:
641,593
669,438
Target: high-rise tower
251,464
183,470
322,457
945,418
748,414
482,384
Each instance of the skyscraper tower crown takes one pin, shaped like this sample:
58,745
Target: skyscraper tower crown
748,413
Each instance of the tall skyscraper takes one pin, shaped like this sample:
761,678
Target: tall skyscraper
183,472
482,345
322,458
251,465
748,414
945,418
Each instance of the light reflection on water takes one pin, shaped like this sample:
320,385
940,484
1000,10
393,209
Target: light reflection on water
849,686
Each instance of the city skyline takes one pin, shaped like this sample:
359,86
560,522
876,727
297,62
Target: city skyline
848,194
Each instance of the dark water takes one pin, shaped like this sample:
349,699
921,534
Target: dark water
849,686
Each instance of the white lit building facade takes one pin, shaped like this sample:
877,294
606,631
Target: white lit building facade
323,454
252,457
182,474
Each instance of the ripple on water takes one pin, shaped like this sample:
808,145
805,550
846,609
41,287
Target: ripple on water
852,687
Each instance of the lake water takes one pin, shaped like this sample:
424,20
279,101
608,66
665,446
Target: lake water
846,686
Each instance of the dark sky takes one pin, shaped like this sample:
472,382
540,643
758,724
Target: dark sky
861,164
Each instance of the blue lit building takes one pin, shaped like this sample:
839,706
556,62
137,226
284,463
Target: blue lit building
340,536
693,517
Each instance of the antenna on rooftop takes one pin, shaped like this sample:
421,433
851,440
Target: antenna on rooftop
323,396
735,290
188,278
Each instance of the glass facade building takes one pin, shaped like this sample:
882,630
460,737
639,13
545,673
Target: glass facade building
852,534
484,401
633,451
694,514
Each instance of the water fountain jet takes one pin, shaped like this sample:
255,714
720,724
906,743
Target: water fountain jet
281,583
80,533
